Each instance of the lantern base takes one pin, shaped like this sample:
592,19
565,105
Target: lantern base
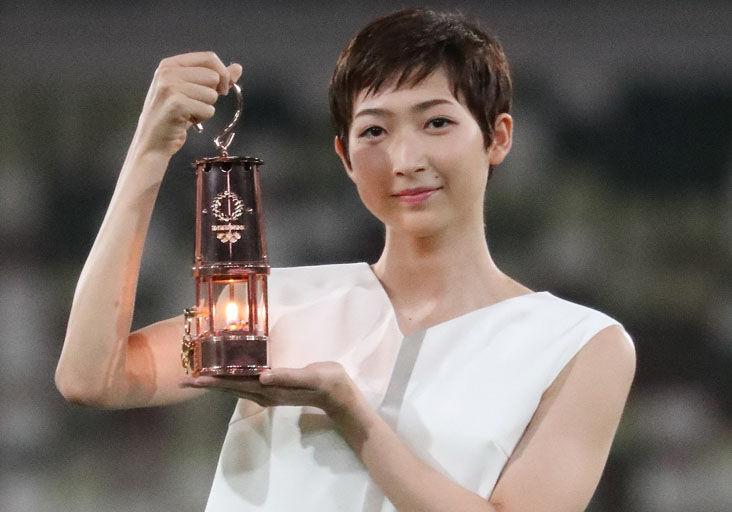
230,355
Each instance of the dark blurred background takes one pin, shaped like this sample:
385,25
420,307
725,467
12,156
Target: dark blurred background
618,194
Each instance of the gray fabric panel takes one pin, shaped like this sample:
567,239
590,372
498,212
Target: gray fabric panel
392,404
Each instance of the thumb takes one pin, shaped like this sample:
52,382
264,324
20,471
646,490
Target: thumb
235,71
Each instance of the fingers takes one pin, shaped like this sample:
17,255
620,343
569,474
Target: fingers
324,384
229,386
290,377
206,60
195,74
184,90
251,389
199,92
198,110
248,385
188,92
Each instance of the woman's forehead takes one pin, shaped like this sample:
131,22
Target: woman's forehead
434,85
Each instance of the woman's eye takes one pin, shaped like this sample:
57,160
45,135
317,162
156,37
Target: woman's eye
438,122
372,132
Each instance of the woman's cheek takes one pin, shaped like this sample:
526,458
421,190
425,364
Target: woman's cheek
374,193
368,157
370,172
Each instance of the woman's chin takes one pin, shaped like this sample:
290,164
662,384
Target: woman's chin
423,225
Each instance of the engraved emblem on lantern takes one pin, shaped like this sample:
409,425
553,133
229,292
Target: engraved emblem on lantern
227,207
226,332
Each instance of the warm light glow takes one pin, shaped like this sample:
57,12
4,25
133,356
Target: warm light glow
232,314
261,310
261,318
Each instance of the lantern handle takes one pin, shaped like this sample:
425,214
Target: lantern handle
223,139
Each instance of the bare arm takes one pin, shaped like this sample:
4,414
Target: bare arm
102,363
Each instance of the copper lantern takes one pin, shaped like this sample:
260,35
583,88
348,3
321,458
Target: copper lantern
226,332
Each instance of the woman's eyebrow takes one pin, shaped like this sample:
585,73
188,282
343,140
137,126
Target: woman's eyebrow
381,112
425,105
419,107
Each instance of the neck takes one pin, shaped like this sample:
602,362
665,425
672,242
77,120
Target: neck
431,279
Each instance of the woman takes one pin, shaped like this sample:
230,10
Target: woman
431,381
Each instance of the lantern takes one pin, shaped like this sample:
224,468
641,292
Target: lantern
226,332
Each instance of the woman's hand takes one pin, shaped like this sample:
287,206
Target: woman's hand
324,385
183,91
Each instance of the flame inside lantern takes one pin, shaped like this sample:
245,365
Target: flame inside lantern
232,315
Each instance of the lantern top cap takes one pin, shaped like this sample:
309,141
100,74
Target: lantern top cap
250,160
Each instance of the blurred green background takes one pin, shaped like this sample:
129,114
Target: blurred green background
617,194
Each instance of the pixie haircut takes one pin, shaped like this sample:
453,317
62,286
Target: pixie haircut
405,47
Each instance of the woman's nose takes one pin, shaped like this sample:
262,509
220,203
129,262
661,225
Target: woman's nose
407,155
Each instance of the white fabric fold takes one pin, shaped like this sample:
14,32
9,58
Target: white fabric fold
460,395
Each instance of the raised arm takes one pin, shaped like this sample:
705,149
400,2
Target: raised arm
102,364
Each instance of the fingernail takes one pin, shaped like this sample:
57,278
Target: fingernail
265,377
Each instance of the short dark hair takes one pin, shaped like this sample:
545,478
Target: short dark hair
407,46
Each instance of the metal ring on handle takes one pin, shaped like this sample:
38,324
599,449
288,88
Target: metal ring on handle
223,139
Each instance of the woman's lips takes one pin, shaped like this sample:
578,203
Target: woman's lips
415,195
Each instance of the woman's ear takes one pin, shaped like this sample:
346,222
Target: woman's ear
502,139
342,154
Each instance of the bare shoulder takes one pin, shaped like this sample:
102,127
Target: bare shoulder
612,340
611,352
557,464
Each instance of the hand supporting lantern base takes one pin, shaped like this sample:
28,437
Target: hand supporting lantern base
226,332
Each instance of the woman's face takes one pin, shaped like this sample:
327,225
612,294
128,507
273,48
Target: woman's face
418,158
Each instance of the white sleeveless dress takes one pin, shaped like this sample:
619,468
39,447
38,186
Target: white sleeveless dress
468,392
